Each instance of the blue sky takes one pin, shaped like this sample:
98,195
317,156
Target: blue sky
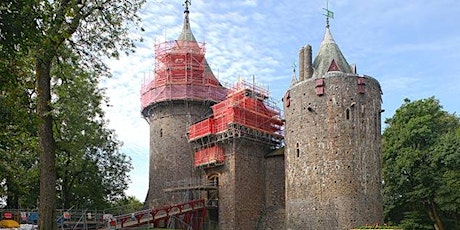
411,47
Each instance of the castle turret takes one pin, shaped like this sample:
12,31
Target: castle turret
332,152
180,94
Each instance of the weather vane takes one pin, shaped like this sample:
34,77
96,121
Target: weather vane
186,4
328,14
293,67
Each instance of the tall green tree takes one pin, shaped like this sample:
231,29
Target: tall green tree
91,172
91,28
421,160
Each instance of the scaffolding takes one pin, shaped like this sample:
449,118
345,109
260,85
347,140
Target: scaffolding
246,112
213,155
181,73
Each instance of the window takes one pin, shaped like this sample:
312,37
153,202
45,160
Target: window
298,150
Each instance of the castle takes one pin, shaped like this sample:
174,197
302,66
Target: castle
318,168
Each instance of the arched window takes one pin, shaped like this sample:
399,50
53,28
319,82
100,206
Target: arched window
214,179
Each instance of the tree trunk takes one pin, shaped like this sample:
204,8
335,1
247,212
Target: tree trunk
433,214
47,156
12,195
65,190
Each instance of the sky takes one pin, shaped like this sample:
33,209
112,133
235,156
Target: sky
411,47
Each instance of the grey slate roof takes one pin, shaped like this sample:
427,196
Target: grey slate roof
186,33
328,52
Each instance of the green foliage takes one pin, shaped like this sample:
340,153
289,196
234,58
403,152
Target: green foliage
90,29
126,205
63,41
447,156
18,128
421,165
414,220
91,170
18,27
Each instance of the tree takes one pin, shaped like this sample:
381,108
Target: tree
91,171
18,128
420,164
447,157
126,205
92,28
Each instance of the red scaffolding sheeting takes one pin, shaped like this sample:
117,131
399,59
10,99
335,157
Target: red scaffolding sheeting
213,155
202,129
246,105
181,73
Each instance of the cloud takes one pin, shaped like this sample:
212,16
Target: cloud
409,46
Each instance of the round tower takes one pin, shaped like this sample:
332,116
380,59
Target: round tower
180,94
332,137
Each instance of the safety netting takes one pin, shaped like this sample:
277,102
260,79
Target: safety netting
181,73
246,105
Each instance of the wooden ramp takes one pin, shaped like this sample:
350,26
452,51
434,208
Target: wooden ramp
189,215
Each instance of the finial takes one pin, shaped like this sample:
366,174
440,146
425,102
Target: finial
186,4
328,14
293,67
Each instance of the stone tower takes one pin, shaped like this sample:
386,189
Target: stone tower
332,143
181,93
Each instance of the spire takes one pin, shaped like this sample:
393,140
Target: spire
328,36
329,57
186,34
294,77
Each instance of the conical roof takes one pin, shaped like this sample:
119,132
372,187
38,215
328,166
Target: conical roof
329,57
187,35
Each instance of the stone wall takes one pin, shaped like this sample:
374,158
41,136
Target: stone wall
171,156
333,160
241,185
274,215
